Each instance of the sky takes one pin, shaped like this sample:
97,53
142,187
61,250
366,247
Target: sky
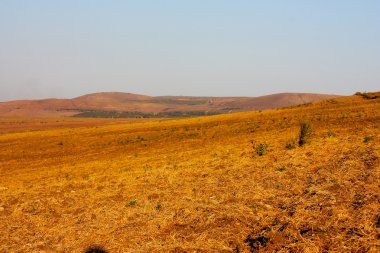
69,48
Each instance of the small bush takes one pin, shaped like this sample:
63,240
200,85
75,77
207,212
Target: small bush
368,139
132,203
305,131
95,249
261,149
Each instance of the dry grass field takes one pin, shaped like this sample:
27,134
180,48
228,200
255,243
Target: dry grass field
22,124
198,184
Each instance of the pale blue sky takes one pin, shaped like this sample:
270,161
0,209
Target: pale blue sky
196,47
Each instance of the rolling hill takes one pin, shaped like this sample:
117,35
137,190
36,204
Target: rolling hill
237,182
118,104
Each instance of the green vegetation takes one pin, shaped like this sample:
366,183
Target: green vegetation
368,139
305,131
132,203
177,101
114,114
261,149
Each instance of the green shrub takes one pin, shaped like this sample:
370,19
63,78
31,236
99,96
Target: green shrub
132,203
305,131
368,139
261,149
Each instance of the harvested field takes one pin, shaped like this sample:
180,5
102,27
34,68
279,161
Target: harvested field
197,185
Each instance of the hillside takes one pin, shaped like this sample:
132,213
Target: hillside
111,104
226,183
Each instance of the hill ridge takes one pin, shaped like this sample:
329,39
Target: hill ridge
124,102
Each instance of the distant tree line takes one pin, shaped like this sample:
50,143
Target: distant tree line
115,114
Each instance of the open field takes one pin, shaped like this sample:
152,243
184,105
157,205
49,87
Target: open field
198,184
20,124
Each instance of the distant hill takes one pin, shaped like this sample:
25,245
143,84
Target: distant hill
118,104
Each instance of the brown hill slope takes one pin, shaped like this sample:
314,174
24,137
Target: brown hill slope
127,102
227,183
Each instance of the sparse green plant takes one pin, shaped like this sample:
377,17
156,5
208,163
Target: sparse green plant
368,139
158,207
132,202
280,169
305,131
261,149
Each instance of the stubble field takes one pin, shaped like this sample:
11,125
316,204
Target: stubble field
198,184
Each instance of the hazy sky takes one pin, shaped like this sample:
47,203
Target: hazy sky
195,47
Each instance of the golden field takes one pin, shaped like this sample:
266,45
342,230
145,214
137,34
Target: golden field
197,184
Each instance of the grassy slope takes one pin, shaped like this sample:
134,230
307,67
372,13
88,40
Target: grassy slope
196,184
20,124
132,105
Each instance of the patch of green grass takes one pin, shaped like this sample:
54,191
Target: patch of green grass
132,203
115,114
178,101
261,149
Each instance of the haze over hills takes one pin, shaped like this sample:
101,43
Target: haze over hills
118,104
